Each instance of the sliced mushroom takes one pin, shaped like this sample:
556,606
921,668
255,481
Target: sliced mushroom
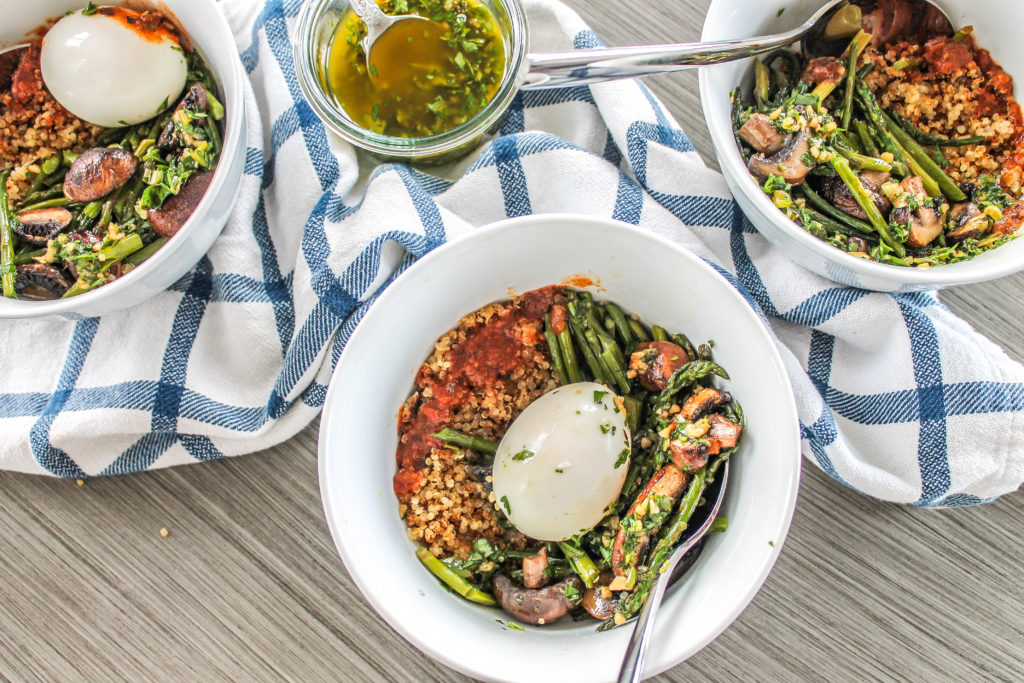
924,224
40,282
823,70
762,134
168,219
194,100
655,362
895,20
534,566
839,195
703,402
724,430
967,220
39,226
788,162
537,606
598,601
633,536
98,172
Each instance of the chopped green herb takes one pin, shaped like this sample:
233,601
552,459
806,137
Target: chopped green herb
508,508
524,454
599,395
515,627
623,457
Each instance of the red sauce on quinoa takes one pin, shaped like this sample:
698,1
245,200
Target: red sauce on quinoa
489,353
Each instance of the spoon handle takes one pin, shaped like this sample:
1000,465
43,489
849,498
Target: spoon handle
370,12
578,67
632,670
633,662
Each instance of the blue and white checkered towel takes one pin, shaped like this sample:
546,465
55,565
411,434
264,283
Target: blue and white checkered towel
897,397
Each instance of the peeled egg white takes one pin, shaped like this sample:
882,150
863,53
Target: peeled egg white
108,74
555,469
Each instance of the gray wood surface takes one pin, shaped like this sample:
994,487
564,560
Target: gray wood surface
247,585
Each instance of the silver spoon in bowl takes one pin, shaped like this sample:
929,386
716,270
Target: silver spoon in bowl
633,662
576,67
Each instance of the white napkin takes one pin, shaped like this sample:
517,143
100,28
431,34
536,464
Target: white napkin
897,397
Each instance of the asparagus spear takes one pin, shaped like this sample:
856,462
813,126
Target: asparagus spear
556,354
7,267
670,536
581,563
147,251
458,439
622,325
866,203
917,153
453,580
857,45
688,374
834,213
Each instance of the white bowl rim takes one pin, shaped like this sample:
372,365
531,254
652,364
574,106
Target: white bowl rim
732,164
656,662
234,126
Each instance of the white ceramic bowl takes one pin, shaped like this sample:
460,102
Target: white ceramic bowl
645,274
746,18
209,32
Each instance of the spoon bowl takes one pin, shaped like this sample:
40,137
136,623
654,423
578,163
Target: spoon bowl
576,67
377,22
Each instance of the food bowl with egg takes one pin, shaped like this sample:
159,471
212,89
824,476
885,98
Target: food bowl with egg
383,398
729,19
124,154
431,91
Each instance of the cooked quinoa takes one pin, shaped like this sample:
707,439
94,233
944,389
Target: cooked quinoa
33,125
954,89
480,376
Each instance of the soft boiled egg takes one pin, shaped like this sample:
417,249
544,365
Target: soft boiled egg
563,461
113,66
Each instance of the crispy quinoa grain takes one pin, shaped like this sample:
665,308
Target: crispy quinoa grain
34,126
475,391
957,92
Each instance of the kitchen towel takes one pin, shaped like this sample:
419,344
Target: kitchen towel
897,397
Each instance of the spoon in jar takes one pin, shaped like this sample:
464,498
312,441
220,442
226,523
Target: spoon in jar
378,23
633,663
836,19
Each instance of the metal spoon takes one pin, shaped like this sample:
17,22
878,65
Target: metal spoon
12,48
575,67
377,22
633,663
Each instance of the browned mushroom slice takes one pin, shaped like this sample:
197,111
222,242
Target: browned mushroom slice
762,134
923,224
194,100
967,220
724,430
788,162
168,219
633,536
599,601
655,362
838,194
39,226
702,402
39,282
534,566
537,606
98,172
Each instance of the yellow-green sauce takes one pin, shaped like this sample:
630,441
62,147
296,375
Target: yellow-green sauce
425,78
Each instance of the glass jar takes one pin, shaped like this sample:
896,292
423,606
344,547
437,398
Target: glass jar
315,29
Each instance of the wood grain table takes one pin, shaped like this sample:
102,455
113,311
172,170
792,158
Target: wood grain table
247,585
